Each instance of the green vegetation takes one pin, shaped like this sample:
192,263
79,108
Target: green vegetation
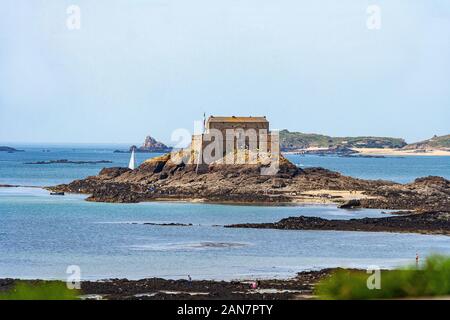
433,279
297,140
42,291
433,143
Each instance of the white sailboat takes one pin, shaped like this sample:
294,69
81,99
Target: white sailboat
132,164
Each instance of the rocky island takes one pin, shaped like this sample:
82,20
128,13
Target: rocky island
167,178
65,161
161,179
9,149
150,145
411,222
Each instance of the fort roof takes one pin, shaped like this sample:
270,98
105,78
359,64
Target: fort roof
236,119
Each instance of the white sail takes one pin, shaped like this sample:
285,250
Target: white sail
132,164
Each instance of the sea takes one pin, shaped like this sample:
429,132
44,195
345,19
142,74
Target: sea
43,236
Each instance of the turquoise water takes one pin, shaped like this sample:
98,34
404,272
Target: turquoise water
40,235
13,169
398,169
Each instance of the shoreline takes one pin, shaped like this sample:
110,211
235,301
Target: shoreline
426,223
402,152
389,152
300,286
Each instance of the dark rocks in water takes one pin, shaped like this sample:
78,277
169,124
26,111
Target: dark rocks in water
161,178
9,149
364,156
433,222
170,224
340,151
57,193
350,204
65,161
424,194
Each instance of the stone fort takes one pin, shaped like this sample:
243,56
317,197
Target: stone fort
236,133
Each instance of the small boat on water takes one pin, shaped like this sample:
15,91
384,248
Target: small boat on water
132,163
56,193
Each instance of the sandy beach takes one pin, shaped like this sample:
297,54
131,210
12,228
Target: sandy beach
401,152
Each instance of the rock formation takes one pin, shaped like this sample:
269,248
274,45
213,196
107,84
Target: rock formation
162,178
150,145
9,149
435,143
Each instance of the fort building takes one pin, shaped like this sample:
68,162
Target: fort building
251,133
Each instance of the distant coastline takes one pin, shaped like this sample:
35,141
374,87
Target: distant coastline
374,152
311,143
9,149
403,152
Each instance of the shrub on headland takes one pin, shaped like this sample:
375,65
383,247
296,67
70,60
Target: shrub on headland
431,279
42,291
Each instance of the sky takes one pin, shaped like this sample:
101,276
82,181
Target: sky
148,67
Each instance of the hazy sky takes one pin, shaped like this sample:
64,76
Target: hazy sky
139,67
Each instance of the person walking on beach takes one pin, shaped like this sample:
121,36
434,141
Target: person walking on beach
417,260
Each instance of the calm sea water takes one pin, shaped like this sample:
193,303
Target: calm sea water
40,235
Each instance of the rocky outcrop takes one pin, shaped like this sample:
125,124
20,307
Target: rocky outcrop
429,193
161,178
9,149
436,142
337,150
434,222
350,204
150,145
